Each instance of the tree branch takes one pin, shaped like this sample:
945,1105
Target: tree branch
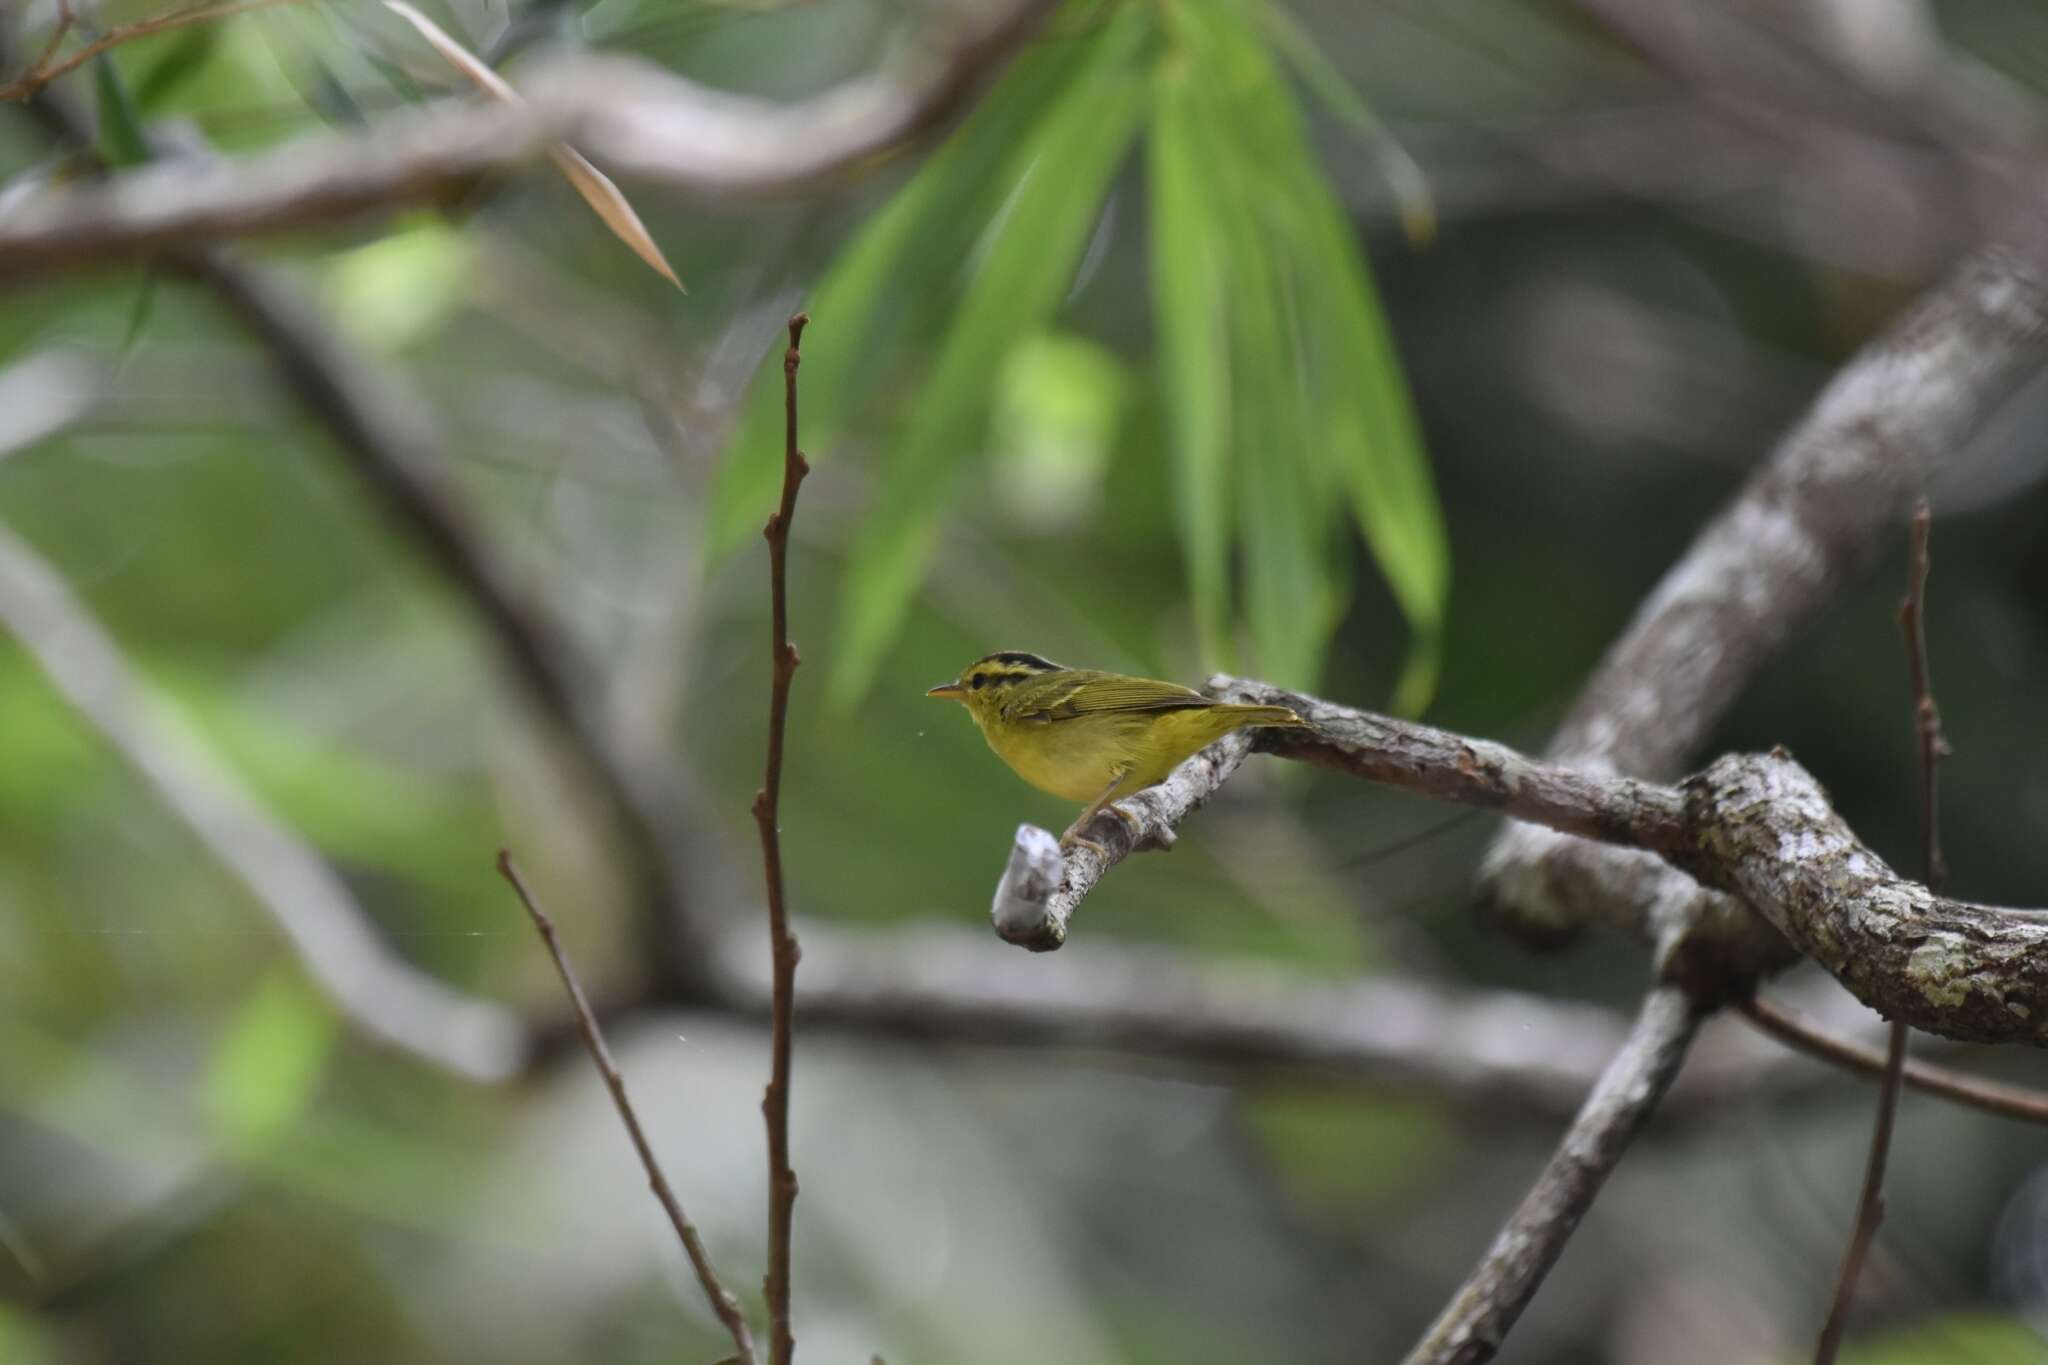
391,448
1888,424
1755,825
48,68
1473,1324
636,119
2006,1101
381,995
935,986
390,445
782,1184
722,1301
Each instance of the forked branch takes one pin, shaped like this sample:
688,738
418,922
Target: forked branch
1755,825
722,1301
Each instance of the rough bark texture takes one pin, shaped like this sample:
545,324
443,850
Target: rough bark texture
1757,826
1806,523
1767,832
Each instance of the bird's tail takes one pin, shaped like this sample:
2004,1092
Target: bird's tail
1267,715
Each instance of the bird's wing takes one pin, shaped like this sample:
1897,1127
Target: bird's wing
1087,692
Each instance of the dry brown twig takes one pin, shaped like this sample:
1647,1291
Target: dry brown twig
46,70
722,1301
782,1185
1974,1092
1932,748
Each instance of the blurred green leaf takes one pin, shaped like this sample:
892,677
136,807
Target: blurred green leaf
1191,293
187,53
1956,1339
139,314
391,292
267,1065
1342,1156
877,297
1024,264
23,1340
121,140
1058,404
1289,597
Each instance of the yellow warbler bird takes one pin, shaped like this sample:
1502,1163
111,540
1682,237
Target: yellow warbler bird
1091,736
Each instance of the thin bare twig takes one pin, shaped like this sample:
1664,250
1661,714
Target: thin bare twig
722,1301
1992,1097
1932,748
767,804
1473,1324
45,70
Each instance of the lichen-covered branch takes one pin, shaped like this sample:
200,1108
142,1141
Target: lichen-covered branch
1473,1324
1767,833
1809,521
1757,826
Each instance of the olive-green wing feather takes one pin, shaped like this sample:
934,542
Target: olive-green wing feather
1081,692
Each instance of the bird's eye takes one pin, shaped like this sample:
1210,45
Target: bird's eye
979,681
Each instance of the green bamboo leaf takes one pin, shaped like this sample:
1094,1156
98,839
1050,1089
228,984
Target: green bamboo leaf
1024,264
1191,291
121,138
1366,435
188,52
1410,187
140,311
871,302
1290,596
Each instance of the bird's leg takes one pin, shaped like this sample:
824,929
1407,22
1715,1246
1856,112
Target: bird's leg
1096,807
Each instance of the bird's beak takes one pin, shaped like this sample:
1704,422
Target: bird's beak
947,689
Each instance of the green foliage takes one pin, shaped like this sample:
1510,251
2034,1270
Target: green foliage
1958,1339
23,1341
1023,266
1322,416
188,52
877,297
1058,405
1342,1157
267,1065
121,139
397,289
1287,414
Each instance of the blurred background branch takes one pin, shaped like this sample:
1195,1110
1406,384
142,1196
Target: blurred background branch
640,120
379,992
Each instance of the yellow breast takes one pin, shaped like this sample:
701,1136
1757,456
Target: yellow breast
1077,758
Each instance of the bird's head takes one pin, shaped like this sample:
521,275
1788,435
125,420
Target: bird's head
983,684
